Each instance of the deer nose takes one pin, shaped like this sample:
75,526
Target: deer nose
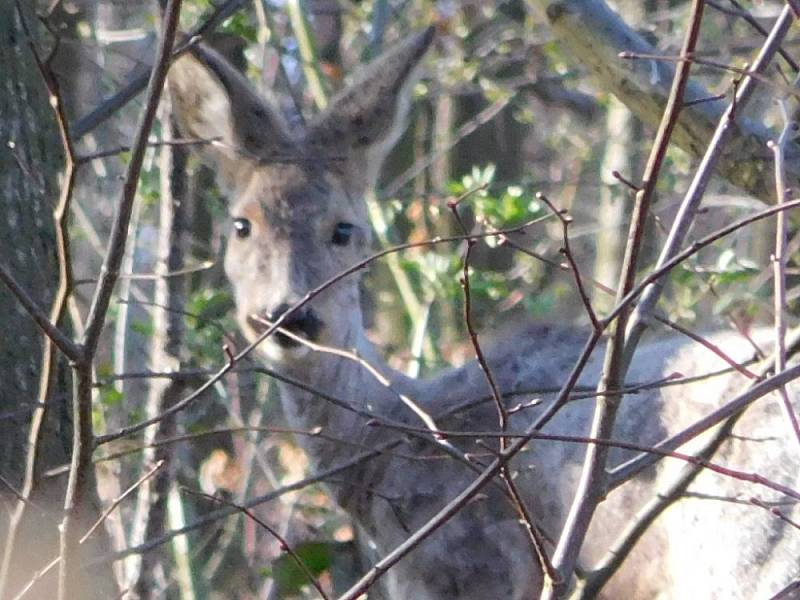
302,321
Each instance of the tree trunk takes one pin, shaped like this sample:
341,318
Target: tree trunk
30,162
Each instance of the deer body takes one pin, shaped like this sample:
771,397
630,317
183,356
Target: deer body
299,220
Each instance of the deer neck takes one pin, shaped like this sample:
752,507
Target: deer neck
351,383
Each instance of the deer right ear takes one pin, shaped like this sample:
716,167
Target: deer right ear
363,121
214,103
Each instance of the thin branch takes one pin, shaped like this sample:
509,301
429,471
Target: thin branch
618,552
110,106
708,345
308,52
119,231
227,512
795,6
447,512
753,73
84,158
535,537
625,542
70,349
483,117
83,443
114,503
272,531
119,499
779,260
565,221
636,465
589,492
694,194
693,459
743,13
774,510
789,592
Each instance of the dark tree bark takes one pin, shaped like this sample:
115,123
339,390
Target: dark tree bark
31,159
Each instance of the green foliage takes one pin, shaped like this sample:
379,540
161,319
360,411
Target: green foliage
728,281
290,578
240,24
209,319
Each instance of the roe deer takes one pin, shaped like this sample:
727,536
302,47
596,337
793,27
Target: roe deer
298,218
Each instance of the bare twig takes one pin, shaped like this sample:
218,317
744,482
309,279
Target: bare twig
535,537
691,201
308,52
227,512
743,13
693,459
753,73
119,499
618,552
110,106
565,221
775,511
795,6
111,507
707,344
779,259
441,517
269,529
631,468
83,435
84,158
119,230
591,483
42,319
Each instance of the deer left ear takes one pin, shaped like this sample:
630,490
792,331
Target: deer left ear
364,121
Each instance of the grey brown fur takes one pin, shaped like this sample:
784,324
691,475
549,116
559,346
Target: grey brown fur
294,187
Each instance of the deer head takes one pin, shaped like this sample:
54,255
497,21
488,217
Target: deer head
296,194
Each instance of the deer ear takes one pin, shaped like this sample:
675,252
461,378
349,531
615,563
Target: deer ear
363,121
213,101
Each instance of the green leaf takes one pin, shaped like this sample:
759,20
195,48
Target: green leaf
110,396
288,575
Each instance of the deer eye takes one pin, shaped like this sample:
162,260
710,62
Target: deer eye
342,233
242,227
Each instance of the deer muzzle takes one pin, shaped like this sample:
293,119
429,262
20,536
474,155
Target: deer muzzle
301,323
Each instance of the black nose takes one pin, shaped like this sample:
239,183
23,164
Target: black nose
303,322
